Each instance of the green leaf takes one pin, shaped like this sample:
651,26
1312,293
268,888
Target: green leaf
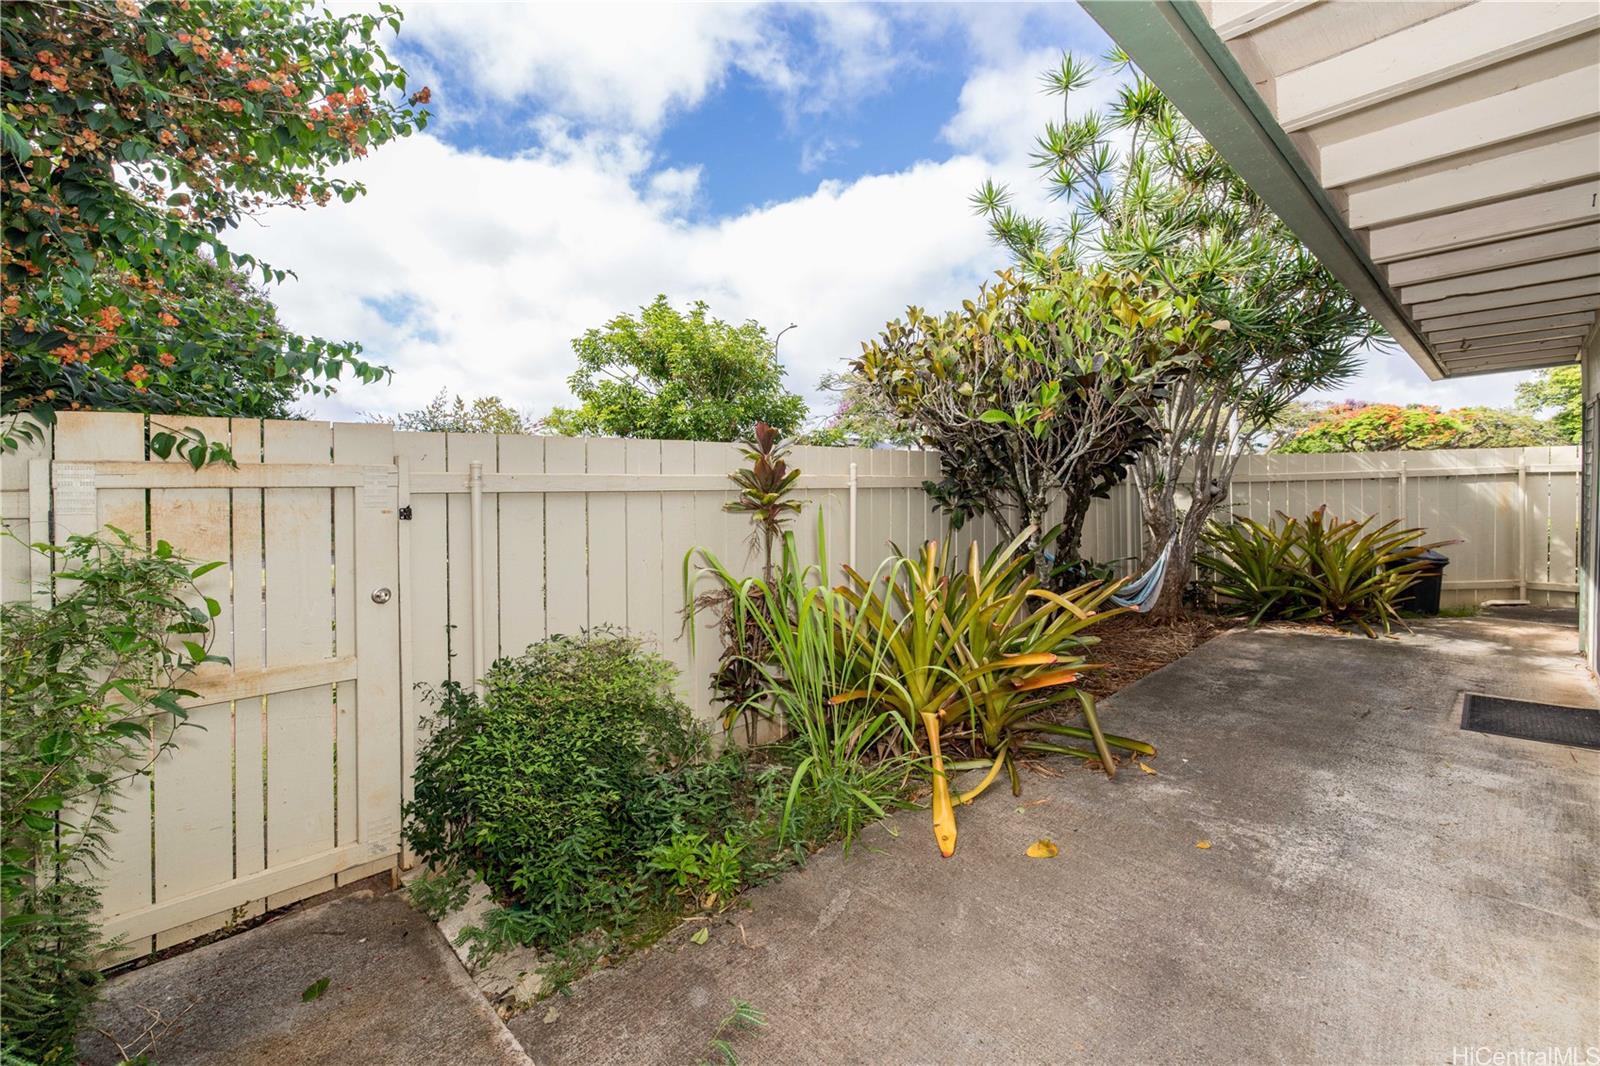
314,990
14,141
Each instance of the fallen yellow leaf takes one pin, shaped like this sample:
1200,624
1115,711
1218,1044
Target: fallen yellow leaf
700,937
1144,767
1202,844
1043,849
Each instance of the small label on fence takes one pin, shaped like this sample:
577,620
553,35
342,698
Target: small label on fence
74,491
378,487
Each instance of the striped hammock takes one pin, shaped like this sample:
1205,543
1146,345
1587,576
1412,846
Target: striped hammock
1143,591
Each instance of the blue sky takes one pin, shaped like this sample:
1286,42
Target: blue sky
788,163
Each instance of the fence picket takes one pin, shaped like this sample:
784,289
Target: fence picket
301,818
193,783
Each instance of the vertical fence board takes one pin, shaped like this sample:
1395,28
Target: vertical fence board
644,563
193,783
300,618
16,516
609,540
461,451
424,597
521,540
127,872
677,539
249,653
566,540
371,816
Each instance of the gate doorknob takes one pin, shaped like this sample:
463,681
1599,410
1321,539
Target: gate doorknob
381,595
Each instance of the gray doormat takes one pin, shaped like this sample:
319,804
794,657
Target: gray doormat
1577,727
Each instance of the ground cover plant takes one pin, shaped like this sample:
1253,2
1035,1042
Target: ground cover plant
90,699
1315,569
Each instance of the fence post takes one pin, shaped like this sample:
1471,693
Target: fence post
1521,518
408,697
1400,495
475,480
852,552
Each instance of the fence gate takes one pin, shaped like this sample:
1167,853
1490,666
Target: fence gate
291,782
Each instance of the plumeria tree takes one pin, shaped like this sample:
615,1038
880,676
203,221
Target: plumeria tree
1145,192
134,136
1040,393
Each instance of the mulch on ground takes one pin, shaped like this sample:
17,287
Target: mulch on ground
1133,645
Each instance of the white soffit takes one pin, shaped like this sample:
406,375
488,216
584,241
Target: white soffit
1456,145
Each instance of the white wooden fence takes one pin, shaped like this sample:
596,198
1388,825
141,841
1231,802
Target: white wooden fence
1514,510
362,562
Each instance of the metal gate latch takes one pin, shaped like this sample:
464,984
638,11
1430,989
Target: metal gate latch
381,595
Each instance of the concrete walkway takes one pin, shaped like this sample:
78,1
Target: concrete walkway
396,996
1380,887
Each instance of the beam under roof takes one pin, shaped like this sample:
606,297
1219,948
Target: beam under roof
1441,159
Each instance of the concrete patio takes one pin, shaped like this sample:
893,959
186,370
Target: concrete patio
395,994
1380,887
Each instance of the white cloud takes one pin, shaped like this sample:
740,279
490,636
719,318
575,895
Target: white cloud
471,272
619,65
1389,375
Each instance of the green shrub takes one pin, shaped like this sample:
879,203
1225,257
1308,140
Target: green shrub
1315,569
90,700
556,787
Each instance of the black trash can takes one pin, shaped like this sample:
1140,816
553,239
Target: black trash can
1423,595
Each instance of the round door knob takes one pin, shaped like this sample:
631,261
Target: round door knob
381,595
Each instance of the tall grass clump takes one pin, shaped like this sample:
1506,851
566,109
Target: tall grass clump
850,767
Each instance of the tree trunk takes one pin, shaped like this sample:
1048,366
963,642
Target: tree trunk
1186,543
1069,541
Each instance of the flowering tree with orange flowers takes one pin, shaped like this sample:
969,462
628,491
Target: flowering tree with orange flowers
133,137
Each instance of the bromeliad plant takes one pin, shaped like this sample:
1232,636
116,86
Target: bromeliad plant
922,660
1316,569
975,658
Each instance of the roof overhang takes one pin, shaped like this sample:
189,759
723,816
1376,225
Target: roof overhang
1442,159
